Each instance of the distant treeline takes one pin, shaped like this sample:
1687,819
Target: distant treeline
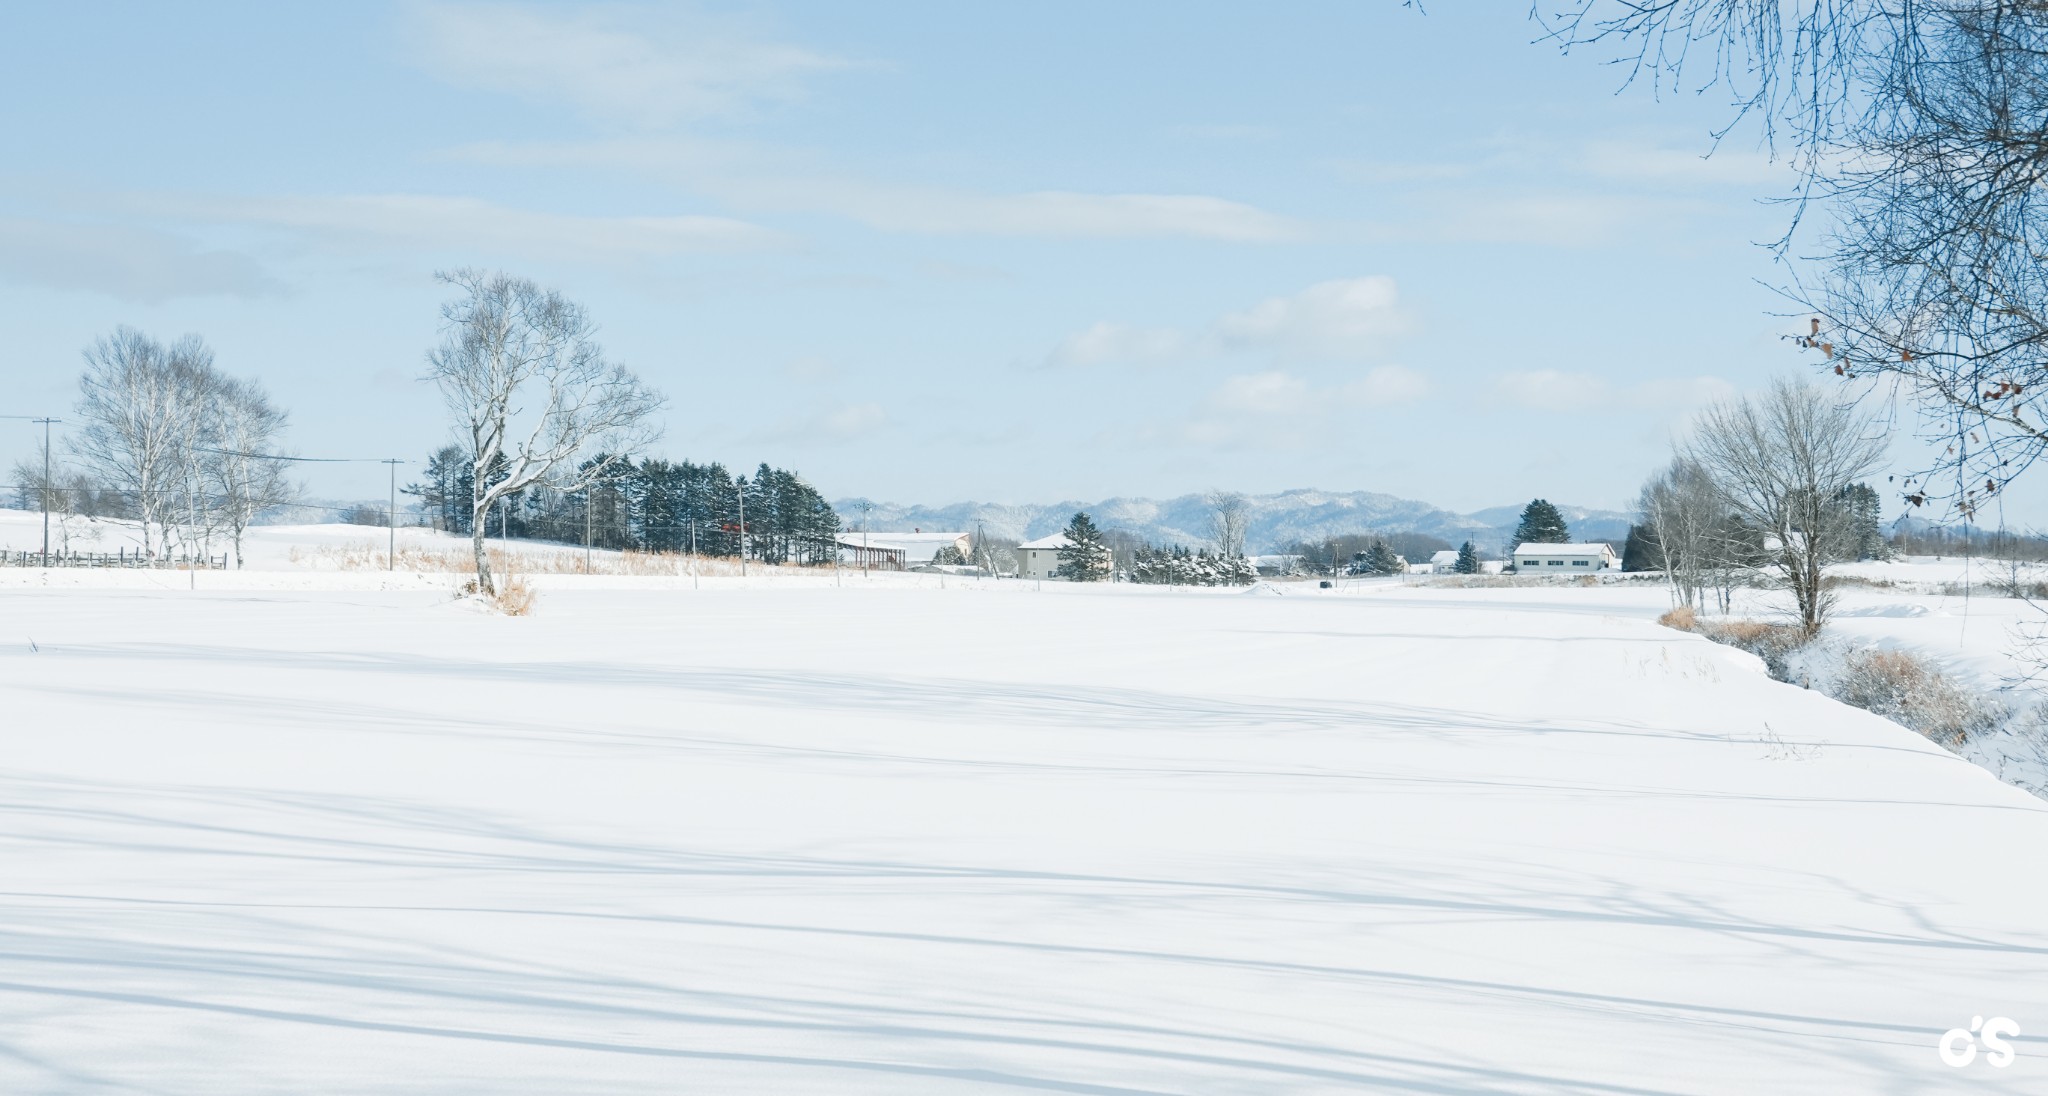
650,505
1971,541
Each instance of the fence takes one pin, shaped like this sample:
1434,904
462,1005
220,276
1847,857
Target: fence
122,558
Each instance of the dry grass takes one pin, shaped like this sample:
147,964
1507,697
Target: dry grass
1908,691
514,596
1681,618
1774,643
1838,581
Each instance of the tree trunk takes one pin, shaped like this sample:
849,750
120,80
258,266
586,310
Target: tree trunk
483,558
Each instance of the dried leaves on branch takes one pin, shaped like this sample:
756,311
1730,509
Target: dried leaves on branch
1921,129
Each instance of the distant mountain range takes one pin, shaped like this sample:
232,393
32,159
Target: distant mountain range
1276,520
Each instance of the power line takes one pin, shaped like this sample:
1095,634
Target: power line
302,460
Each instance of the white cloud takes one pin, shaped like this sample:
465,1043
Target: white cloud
1385,386
1556,390
414,221
130,263
1275,409
670,66
852,420
1277,392
1060,213
833,425
1703,165
1269,393
1118,344
1345,317
754,178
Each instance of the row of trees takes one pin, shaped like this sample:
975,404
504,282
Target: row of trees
164,438
1768,481
1179,566
650,504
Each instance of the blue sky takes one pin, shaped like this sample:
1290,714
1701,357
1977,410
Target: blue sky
918,251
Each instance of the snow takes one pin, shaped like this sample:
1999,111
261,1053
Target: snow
921,834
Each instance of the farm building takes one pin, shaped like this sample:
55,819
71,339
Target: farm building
1552,559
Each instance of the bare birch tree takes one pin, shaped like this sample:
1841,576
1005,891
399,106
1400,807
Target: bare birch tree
1229,517
1782,461
1700,545
241,476
531,392
139,410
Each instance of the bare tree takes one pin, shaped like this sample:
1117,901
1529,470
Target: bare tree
1919,125
238,470
1782,461
139,414
1229,517
531,391
1700,545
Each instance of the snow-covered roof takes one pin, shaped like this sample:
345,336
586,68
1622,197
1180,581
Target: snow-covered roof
1448,555
918,547
1562,550
1057,540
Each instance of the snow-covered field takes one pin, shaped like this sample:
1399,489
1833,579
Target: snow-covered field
788,836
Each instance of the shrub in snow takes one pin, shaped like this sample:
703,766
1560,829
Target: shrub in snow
1908,691
511,597
1774,643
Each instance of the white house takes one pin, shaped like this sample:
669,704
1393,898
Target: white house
1444,562
1564,559
1039,558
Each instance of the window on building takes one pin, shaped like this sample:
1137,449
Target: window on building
1582,563
1555,562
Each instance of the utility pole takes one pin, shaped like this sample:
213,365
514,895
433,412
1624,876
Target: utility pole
587,493
46,486
391,520
45,492
863,537
743,526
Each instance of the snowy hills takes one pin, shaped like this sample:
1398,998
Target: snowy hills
1276,520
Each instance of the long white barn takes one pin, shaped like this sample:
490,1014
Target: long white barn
1553,559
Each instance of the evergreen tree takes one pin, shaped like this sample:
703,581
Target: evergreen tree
1085,556
1542,524
1381,559
1866,514
1468,560
1640,552
445,489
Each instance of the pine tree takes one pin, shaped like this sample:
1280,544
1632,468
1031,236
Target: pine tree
444,491
1865,513
1640,551
1542,524
1085,557
1380,559
1468,560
